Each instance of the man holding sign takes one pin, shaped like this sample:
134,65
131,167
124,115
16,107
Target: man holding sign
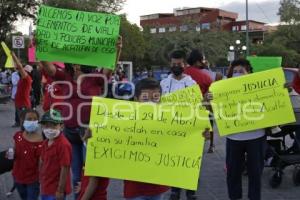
87,40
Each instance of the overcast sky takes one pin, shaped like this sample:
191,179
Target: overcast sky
261,10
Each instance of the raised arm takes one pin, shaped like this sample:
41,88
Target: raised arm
19,66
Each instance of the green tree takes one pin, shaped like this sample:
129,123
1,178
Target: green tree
110,6
133,43
214,45
11,11
289,11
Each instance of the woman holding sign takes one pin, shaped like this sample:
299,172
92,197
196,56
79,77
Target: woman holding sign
79,84
238,146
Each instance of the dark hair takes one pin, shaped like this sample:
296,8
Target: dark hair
240,62
86,69
178,54
146,84
195,56
23,114
69,69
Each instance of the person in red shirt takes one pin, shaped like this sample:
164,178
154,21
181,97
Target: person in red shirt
22,99
81,83
52,93
91,188
28,145
194,70
56,159
296,82
146,90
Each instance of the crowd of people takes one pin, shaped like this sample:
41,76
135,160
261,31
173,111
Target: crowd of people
49,162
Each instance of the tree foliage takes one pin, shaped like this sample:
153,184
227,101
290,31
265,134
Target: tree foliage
289,11
214,45
13,10
109,6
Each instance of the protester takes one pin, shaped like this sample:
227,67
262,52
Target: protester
22,99
238,145
56,159
28,145
14,80
296,82
5,76
52,93
77,106
36,86
203,79
175,81
146,90
195,61
92,188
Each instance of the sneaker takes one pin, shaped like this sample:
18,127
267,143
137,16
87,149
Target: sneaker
8,194
15,125
211,149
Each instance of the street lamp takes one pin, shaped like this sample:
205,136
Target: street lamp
236,50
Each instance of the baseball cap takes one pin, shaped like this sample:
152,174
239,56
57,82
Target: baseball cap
53,116
28,68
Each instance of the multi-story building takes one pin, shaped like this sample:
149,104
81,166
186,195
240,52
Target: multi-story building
202,19
186,19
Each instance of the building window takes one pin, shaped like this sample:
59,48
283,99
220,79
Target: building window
198,28
153,30
243,28
234,28
184,28
162,30
172,29
205,26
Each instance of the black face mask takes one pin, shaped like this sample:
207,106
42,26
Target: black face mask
177,70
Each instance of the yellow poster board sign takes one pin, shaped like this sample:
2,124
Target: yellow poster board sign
146,142
251,102
9,62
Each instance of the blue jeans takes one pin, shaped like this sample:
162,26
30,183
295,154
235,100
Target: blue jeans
49,197
28,191
157,197
78,154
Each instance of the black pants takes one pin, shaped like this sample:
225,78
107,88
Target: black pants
235,161
189,193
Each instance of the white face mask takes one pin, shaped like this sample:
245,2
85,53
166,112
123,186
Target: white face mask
237,74
51,133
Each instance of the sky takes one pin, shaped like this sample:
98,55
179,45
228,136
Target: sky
260,10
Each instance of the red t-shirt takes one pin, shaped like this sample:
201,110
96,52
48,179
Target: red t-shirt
201,77
54,157
100,192
296,83
23,93
49,100
134,189
79,105
26,162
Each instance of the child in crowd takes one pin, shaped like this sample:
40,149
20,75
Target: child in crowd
55,159
146,90
92,188
28,145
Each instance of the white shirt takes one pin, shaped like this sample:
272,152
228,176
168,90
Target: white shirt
14,80
171,84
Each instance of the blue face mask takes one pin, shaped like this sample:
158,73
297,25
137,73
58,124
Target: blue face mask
31,126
